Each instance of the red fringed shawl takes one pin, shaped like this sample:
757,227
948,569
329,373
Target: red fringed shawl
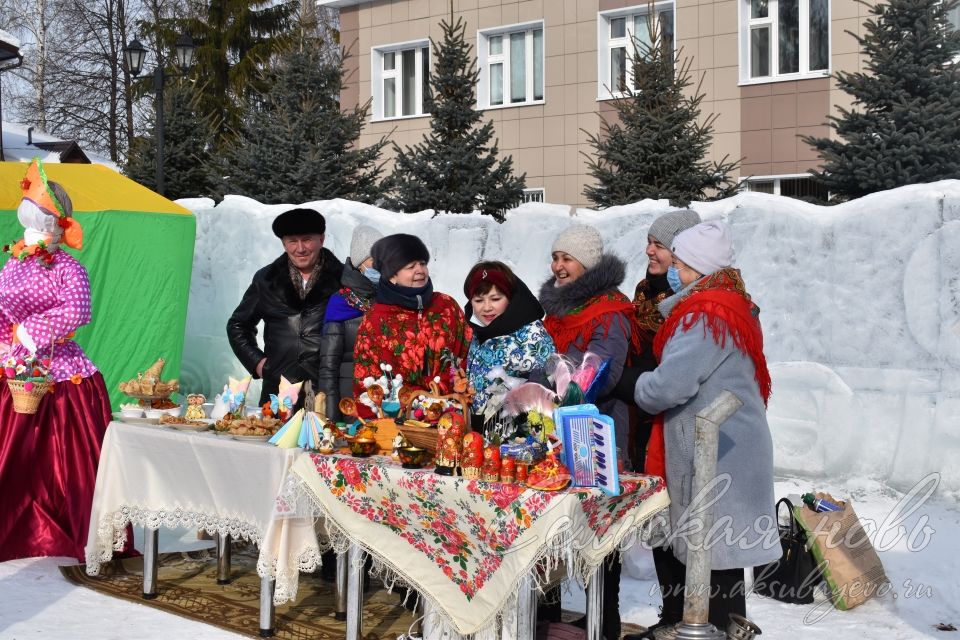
576,328
722,303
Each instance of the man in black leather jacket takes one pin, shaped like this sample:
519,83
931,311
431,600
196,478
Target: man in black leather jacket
290,296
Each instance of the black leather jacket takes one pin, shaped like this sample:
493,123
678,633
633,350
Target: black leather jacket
291,327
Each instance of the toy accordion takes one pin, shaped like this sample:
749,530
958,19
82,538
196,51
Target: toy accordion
589,447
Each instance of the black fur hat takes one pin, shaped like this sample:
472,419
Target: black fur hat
298,222
392,253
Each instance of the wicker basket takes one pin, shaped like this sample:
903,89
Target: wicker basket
27,401
423,437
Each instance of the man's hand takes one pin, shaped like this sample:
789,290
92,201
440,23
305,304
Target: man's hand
260,367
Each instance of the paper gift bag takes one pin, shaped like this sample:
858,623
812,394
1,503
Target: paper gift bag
849,563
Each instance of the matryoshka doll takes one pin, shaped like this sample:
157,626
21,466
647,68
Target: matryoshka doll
450,429
490,471
472,456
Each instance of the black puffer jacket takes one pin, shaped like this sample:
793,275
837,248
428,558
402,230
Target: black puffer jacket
291,327
339,336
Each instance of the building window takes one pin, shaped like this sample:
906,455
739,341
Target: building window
784,39
953,16
799,186
400,76
621,35
511,66
534,195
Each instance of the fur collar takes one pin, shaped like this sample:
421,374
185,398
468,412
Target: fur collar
328,281
559,301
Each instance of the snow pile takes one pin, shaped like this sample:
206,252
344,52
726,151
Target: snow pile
860,306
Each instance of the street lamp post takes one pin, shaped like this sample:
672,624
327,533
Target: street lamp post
135,53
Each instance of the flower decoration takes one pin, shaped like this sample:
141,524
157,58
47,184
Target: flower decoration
76,378
30,369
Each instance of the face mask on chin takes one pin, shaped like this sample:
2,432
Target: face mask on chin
371,274
673,279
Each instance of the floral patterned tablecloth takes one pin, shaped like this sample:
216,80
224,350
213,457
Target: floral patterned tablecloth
463,544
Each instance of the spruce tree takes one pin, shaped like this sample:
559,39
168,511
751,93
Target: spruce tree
904,126
455,168
187,144
656,148
297,145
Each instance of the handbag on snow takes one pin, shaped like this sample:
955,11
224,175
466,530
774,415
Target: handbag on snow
795,575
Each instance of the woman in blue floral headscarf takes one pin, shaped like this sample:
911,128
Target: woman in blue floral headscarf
507,331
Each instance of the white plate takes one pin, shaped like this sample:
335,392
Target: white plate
151,421
187,427
250,438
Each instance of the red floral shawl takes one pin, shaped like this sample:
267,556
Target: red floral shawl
577,327
413,343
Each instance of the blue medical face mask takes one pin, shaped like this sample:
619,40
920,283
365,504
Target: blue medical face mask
673,279
372,275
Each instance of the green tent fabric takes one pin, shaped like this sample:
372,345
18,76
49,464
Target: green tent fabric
138,251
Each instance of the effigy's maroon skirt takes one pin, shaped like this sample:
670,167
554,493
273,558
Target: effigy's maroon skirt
48,469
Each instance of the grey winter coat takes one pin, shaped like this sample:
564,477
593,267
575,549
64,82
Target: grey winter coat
558,301
693,371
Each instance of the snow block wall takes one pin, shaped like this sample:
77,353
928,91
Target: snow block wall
860,305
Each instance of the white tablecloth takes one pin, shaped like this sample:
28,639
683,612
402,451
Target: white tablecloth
158,477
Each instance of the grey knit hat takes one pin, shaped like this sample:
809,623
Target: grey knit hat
671,223
363,238
581,242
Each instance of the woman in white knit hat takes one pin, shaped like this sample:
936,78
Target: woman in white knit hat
711,341
587,312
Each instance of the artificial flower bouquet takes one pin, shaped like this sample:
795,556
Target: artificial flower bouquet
28,379
577,383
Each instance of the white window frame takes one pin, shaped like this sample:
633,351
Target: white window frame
378,75
538,194
776,179
485,59
771,21
605,43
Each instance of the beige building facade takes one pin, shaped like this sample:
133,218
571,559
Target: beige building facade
549,69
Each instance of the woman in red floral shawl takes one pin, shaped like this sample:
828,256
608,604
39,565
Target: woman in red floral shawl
419,332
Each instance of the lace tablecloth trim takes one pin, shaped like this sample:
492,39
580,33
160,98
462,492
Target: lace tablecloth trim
111,530
296,500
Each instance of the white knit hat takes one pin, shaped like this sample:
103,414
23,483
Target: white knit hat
363,238
706,247
582,242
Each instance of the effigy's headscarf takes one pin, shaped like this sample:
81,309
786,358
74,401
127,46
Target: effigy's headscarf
46,212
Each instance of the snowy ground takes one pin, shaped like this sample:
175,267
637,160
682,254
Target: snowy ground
916,538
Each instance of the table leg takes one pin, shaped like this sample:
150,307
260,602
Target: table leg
223,558
340,589
151,540
354,592
526,610
595,605
266,607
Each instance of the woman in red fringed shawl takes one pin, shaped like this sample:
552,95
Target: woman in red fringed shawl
418,332
711,341
587,312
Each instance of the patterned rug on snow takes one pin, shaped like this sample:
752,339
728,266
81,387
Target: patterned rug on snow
187,586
